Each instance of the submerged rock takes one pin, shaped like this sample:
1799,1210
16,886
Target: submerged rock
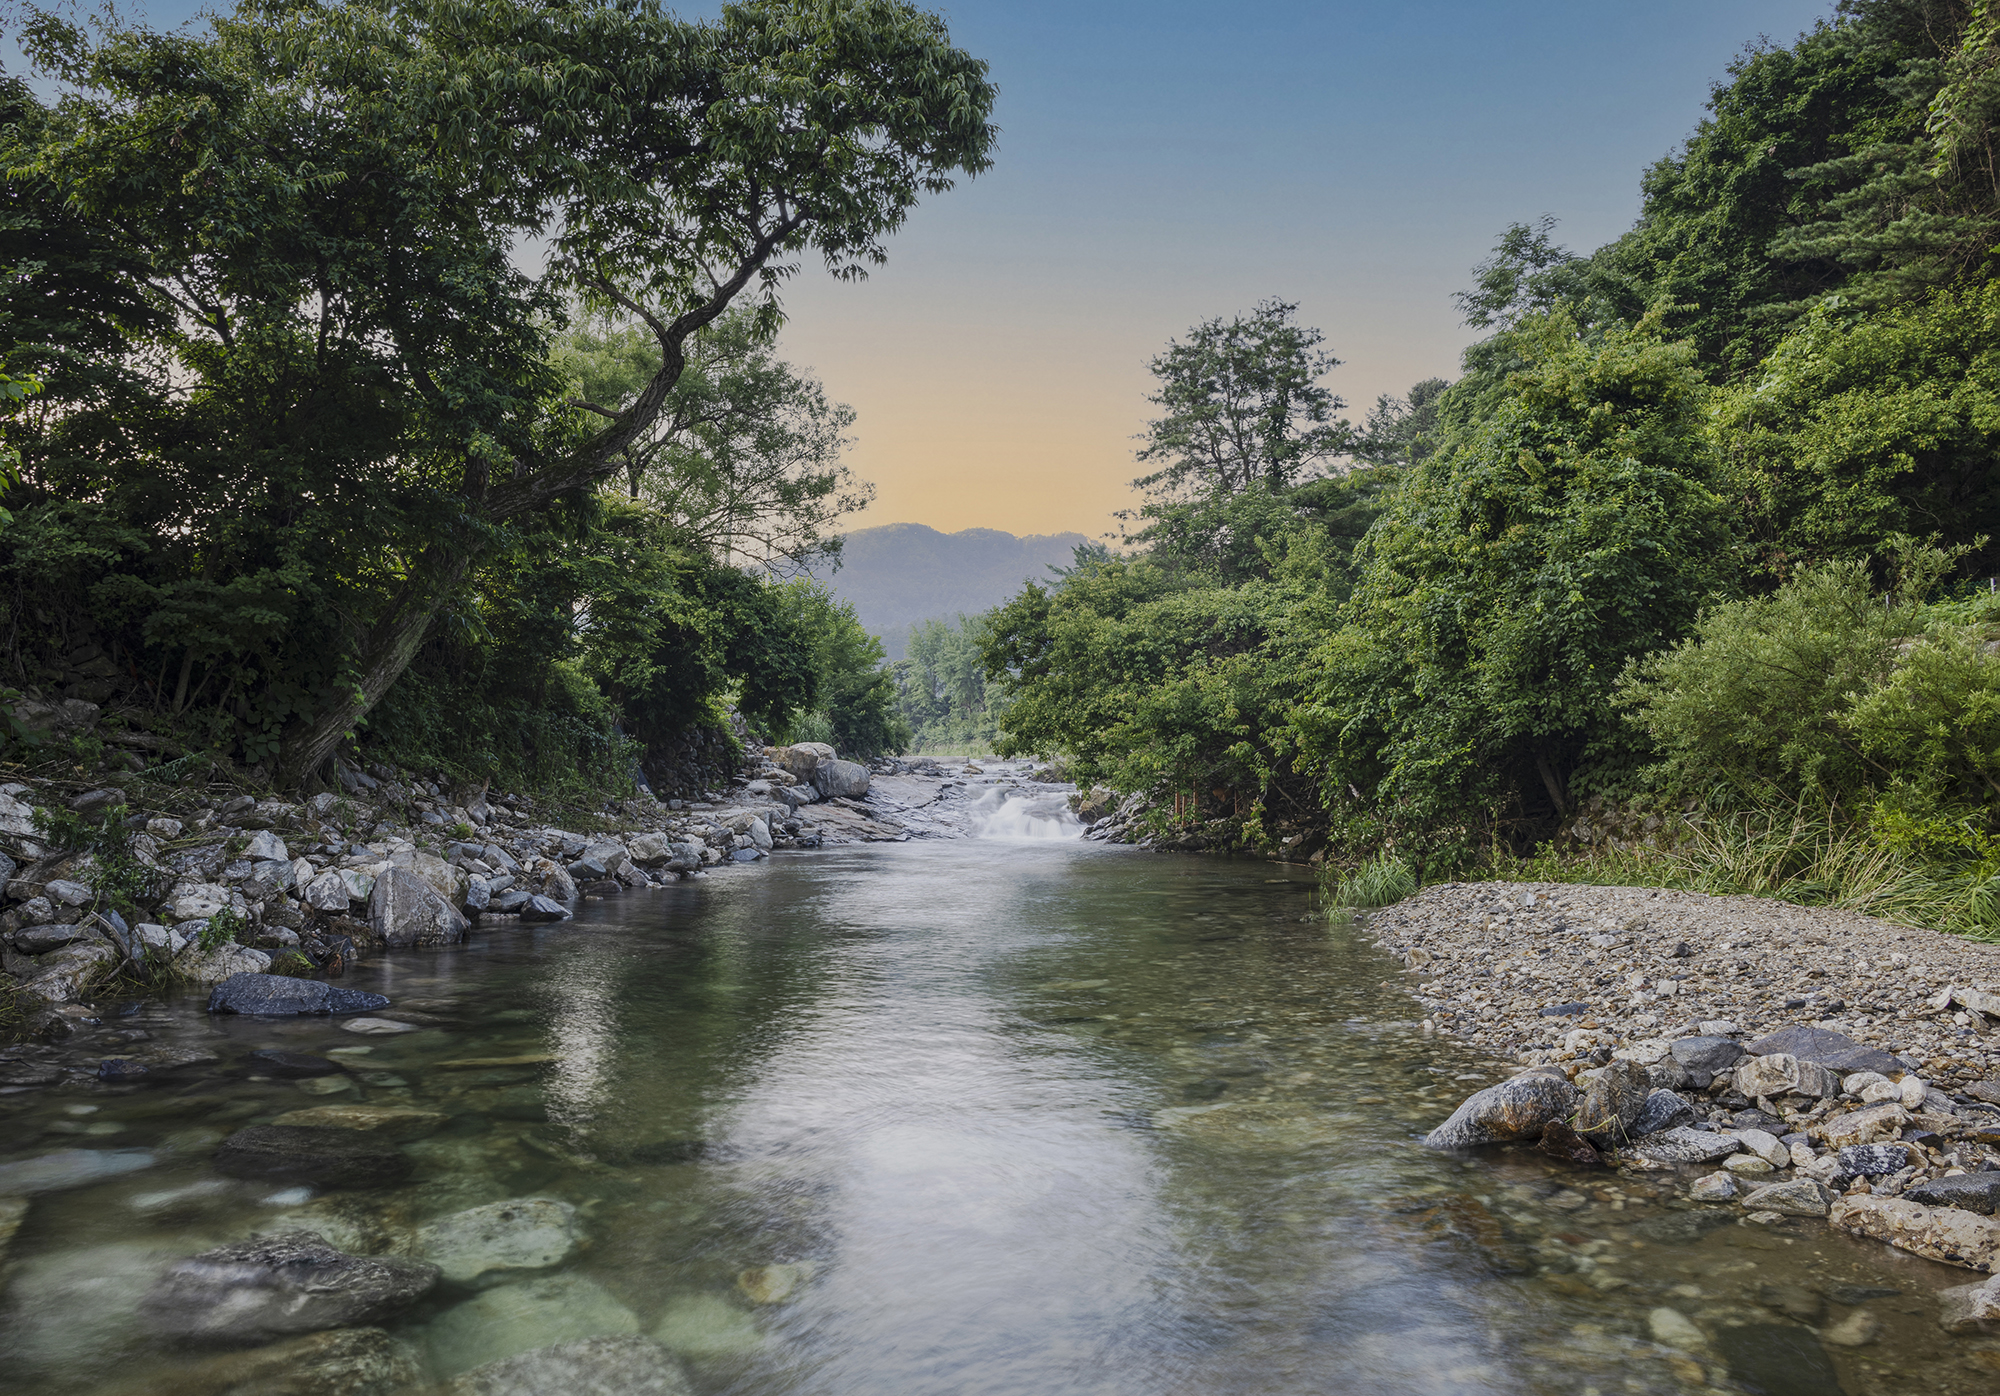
321,1157
1517,1109
292,1065
252,1291
1947,1234
396,1122
524,1233
625,1366
1778,1359
69,1168
341,1362
281,996
1560,1141
516,1318
1973,1308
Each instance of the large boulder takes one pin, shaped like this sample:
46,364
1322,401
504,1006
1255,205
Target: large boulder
1947,1234
69,974
406,910
275,1286
802,759
651,850
449,882
612,1366
1516,1109
316,1156
842,779
280,996
1835,1051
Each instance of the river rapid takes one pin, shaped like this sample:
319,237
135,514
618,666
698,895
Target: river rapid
1013,1115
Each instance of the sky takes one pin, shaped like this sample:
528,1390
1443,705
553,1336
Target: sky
1164,163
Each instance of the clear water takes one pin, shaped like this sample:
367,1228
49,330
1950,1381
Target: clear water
1014,1116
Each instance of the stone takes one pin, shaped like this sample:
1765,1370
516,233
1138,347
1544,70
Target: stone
622,1366
801,759
1560,1141
705,1325
40,940
1673,1329
1835,1051
197,901
69,1168
1748,1165
1613,1103
1793,1301
1766,1147
543,909
1870,1126
838,779
360,885
1858,1329
378,1027
66,893
273,1286
398,1122
651,850
523,1233
72,1309
198,966
1947,1234
1796,1197
68,975
266,847
478,894
316,1156
515,1318
406,911
1517,1109
1973,1308
1777,1359
327,892
1779,1073
1873,1160
772,1284
1975,1192
1685,1146
272,1062
1663,1111
338,1362
1857,1082
281,996
1713,1187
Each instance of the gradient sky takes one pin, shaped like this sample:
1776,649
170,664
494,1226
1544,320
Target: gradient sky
1166,162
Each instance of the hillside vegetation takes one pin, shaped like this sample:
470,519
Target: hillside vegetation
1689,575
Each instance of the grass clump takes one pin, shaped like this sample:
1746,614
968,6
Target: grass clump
1384,879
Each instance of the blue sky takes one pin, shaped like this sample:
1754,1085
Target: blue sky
1167,162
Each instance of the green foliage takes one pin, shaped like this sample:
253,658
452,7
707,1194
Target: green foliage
224,928
1382,880
942,692
854,703
292,964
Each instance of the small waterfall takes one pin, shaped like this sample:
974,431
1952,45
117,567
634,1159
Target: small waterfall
1006,812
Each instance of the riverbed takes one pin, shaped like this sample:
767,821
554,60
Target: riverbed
1011,1116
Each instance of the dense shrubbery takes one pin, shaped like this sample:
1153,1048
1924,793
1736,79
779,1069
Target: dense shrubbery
1705,529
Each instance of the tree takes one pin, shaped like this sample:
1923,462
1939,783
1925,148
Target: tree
352,395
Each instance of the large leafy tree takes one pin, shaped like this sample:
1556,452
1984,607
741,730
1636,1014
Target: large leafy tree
345,390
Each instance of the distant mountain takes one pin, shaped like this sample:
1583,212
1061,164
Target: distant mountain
900,575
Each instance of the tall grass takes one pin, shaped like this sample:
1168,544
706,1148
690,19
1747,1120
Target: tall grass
1810,856
1383,879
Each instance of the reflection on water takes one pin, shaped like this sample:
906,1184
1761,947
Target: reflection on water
978,1117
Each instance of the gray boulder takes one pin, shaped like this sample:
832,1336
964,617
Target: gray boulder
1516,1109
542,909
274,1286
607,1366
1663,1111
39,940
1613,1103
265,846
651,850
280,996
313,1155
406,910
1874,1160
1710,1054
843,779
1684,1145
1975,1192
1835,1051
1798,1197
802,759
327,892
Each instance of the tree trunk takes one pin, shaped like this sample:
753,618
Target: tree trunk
392,644
1549,780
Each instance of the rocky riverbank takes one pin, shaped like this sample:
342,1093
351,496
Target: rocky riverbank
1792,1063
111,887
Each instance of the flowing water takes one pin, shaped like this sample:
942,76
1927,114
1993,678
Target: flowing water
1016,1115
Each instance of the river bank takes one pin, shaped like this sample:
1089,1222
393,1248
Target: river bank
110,888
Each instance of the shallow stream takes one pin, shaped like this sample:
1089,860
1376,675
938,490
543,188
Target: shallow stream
1015,1117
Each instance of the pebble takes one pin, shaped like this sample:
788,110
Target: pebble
377,1027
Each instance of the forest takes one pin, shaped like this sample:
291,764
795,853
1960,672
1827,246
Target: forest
404,377
1689,577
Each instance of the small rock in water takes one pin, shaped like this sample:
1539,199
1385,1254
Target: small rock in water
378,1027
281,996
703,1325
1858,1329
320,1157
1973,1308
272,1062
1560,1141
69,1168
1799,1197
1714,1187
515,1318
772,1284
278,1285
398,1122
1517,1109
1673,1329
13,1211
1777,1359
525,1233
628,1366
340,1362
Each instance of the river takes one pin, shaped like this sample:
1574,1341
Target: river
1010,1116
